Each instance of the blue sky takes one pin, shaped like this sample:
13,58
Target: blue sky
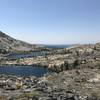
51,21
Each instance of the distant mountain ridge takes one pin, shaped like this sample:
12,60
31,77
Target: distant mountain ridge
10,44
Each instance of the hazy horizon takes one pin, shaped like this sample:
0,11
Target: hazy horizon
51,21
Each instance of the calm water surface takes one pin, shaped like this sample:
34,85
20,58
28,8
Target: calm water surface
23,70
57,46
27,55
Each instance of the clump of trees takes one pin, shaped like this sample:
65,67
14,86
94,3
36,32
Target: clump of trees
67,66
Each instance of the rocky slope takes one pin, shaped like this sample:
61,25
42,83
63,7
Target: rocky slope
8,43
83,84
